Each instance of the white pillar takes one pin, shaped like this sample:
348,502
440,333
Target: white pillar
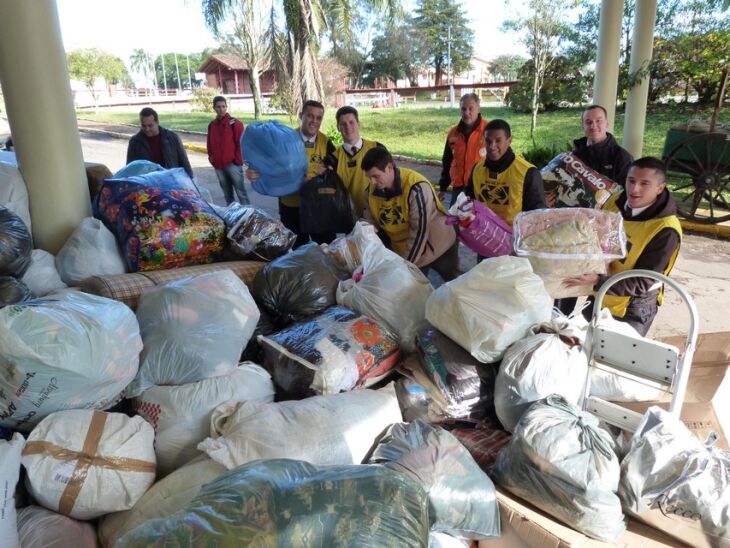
42,119
642,46
605,82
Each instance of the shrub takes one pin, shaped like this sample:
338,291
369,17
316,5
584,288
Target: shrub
202,99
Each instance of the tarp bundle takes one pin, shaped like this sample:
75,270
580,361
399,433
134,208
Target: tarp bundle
335,351
490,307
462,499
326,205
159,221
564,463
286,502
299,284
64,351
674,482
252,231
277,153
571,183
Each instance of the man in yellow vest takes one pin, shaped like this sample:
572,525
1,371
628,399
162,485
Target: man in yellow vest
319,151
464,147
404,207
653,236
350,154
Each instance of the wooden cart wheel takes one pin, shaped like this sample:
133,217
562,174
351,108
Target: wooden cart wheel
698,172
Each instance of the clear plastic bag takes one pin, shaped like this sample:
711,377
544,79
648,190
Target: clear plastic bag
13,291
38,527
347,250
563,243
251,230
674,482
490,307
91,250
389,289
294,503
16,244
193,329
10,452
42,277
462,499
561,461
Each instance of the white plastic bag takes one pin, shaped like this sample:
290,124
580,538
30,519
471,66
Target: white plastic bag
13,192
674,482
336,429
42,277
347,251
41,528
117,468
181,414
68,350
549,361
561,461
193,329
9,472
91,250
490,307
163,499
390,289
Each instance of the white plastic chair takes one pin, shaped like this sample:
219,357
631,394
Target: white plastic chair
650,362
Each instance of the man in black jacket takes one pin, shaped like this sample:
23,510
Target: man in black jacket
599,149
157,144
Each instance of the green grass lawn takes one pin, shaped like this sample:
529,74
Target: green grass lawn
421,132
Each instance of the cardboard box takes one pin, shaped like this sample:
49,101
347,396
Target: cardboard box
524,526
706,406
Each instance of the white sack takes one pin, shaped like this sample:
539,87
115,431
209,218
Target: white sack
9,472
335,429
490,307
541,364
13,192
91,250
121,470
193,329
41,528
181,414
69,350
164,498
42,277
390,289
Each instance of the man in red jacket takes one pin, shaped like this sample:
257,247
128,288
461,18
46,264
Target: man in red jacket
224,151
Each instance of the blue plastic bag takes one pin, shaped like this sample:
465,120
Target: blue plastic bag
277,153
138,167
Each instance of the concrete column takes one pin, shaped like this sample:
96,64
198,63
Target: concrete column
605,83
42,119
642,46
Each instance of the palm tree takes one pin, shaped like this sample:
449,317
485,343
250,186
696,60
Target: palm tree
141,61
304,21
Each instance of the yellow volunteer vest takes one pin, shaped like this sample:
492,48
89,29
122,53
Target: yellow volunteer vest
393,214
316,156
503,193
352,175
638,235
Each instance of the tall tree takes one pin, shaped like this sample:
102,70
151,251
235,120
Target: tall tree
141,62
87,65
542,31
446,30
506,67
399,52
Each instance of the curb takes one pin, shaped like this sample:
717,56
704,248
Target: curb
721,231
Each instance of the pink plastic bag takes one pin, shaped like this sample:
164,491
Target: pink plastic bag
487,233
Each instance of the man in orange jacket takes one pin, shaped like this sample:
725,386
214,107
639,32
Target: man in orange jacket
464,147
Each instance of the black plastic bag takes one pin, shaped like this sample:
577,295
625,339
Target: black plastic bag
326,205
251,231
299,284
12,291
253,350
15,244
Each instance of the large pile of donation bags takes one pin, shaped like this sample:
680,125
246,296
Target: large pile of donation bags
338,400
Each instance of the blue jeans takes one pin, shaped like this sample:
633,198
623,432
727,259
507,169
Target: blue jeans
230,179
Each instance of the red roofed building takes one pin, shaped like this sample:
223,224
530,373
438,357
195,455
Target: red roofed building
229,73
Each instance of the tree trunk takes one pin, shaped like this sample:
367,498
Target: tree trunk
535,103
253,79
